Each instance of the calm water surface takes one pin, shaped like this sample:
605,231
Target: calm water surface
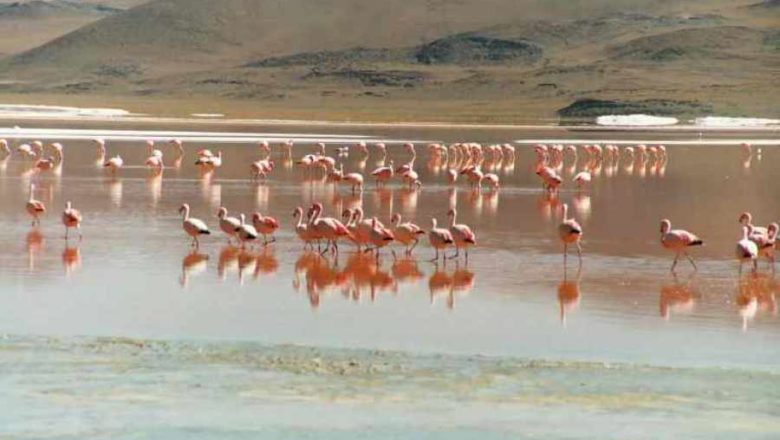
129,333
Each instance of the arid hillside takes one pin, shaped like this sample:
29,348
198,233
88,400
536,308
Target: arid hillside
487,60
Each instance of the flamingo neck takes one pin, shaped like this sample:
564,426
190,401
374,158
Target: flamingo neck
315,215
452,218
299,214
565,212
186,213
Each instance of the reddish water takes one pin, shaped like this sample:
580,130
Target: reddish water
134,273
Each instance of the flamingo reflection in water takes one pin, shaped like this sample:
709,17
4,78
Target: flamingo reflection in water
192,264
71,259
756,293
569,295
677,297
320,277
449,284
35,243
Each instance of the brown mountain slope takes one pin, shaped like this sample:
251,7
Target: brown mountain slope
467,59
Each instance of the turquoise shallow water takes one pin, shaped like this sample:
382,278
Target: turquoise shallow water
91,388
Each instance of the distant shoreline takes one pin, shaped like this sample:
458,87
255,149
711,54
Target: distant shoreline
14,119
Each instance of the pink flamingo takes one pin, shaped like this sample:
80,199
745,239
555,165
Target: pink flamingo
192,226
383,174
766,243
406,233
302,229
379,236
245,232
26,151
440,239
582,179
261,168
452,176
114,164
328,228
492,180
746,219
678,241
569,231
355,180
47,164
71,218
462,235
746,250
228,225
265,225
35,207
58,151
209,163
4,150
153,151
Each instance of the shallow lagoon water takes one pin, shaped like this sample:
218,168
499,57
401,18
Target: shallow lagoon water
130,323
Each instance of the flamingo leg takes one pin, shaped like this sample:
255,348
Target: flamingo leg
691,260
436,258
565,253
676,257
579,252
78,228
66,233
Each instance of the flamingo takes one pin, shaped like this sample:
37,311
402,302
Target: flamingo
452,176
114,164
379,236
227,224
26,151
35,207
154,162
192,226
411,178
4,150
71,218
766,243
178,145
328,228
153,151
261,168
492,180
406,233
383,174
266,226
678,241
746,249
746,219
45,164
245,232
582,179
302,229
440,239
462,234
265,147
58,150
570,232
355,180
209,163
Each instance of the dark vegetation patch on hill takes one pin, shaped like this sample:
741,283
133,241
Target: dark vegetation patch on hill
719,42
583,108
37,9
372,77
467,49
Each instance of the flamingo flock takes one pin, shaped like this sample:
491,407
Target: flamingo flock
475,163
